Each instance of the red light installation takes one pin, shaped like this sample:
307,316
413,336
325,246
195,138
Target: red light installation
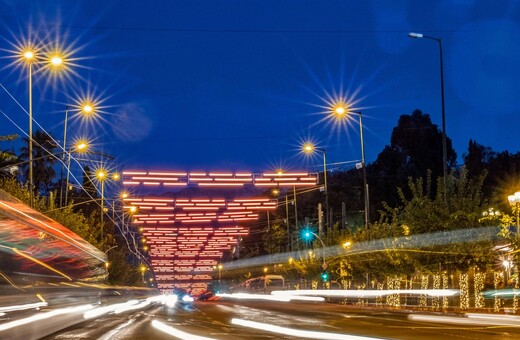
187,237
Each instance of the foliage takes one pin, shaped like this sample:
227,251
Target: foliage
275,238
44,157
8,158
415,148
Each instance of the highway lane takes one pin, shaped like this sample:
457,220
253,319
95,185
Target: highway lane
213,320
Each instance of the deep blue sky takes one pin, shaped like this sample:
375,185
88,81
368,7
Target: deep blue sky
237,84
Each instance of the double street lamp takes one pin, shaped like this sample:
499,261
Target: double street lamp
444,148
29,55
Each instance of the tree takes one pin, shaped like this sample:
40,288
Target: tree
44,159
415,148
478,157
8,159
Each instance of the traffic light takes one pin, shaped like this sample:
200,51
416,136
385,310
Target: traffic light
325,276
307,235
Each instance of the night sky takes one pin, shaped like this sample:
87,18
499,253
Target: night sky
238,85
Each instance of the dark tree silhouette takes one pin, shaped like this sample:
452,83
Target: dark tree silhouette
415,147
44,158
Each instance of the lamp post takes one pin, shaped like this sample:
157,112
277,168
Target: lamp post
444,150
87,109
309,148
101,175
81,146
29,57
341,111
307,235
514,201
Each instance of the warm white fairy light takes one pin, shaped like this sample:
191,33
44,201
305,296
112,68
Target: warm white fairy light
464,291
515,298
497,278
436,285
424,285
445,302
478,288
379,298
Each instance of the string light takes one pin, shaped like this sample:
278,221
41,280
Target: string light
379,298
497,278
479,287
464,291
436,285
445,286
424,285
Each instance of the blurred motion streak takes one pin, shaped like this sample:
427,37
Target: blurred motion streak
32,246
42,316
296,332
366,293
470,319
41,263
278,297
110,334
23,307
175,332
404,243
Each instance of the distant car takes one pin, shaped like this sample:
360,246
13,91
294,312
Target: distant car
208,296
183,297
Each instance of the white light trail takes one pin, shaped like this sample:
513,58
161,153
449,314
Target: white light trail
365,293
113,332
43,316
176,333
278,298
297,332
22,307
470,319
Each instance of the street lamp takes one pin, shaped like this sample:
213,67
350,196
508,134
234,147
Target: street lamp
310,148
101,175
341,111
29,55
444,150
86,109
81,146
514,201
307,235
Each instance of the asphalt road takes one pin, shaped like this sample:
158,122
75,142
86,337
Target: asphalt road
213,320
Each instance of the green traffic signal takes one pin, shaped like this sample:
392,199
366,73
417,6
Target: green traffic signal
325,276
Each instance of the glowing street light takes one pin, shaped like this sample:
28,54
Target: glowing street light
56,60
341,111
28,55
86,110
81,146
309,148
101,175
514,201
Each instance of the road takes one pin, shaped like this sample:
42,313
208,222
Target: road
213,320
